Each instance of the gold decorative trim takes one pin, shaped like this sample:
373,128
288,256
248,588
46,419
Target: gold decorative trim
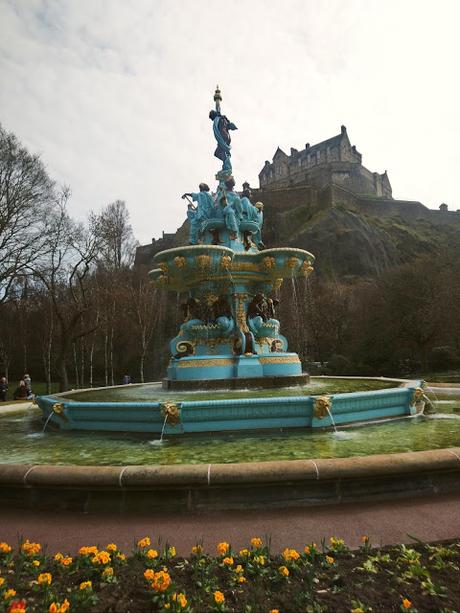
417,395
245,267
292,262
322,407
225,262
279,360
180,261
205,363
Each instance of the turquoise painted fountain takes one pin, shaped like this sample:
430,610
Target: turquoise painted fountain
230,337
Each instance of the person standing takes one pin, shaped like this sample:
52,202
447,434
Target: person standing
28,382
3,389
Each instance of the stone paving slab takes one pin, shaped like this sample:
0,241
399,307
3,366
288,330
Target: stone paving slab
428,518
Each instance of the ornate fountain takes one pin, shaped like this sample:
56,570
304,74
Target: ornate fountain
230,336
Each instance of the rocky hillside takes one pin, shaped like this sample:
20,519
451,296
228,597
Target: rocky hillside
361,238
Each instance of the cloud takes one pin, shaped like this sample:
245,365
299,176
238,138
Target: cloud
115,95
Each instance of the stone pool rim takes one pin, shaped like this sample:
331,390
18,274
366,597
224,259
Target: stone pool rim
207,487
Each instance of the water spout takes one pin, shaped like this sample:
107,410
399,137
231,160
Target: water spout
332,420
47,420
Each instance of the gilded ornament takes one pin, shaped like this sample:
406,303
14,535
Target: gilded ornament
417,395
180,261
322,406
204,261
171,413
58,408
225,262
269,263
205,363
292,263
163,266
277,283
306,268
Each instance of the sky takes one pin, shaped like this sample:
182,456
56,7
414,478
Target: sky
115,94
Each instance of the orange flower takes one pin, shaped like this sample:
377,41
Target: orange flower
149,574
121,556
283,571
228,561
31,549
161,581
67,561
242,579
291,555
111,547
180,598
143,543
55,607
108,572
256,542
152,554
406,603
307,550
103,557
4,547
86,551
219,598
9,594
274,611
222,548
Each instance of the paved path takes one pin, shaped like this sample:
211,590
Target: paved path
430,518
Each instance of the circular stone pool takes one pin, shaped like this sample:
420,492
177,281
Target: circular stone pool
24,442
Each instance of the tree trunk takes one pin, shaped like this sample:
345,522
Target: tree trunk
112,380
91,353
106,368
75,361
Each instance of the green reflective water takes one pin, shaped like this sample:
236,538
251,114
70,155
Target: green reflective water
152,392
23,442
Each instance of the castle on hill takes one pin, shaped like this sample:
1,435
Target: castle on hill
334,161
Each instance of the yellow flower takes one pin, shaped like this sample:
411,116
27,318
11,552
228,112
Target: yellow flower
4,547
256,542
222,549
152,554
44,579
9,594
86,551
274,611
30,549
181,599
36,562
111,547
283,571
172,552
406,603
2,581
357,610
197,550
86,585
67,561
239,569
58,557
228,561
329,559
335,541
244,553
291,555
145,542
259,560
242,579
121,556
219,598
149,574
307,550
108,572
161,581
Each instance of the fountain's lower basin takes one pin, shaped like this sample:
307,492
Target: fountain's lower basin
174,415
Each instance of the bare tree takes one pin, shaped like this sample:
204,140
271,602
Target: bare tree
26,196
116,234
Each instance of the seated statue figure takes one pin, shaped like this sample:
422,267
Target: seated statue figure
205,209
261,316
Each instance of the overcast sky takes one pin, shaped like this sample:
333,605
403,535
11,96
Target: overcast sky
115,94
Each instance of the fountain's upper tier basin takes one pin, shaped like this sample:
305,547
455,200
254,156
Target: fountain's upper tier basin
194,267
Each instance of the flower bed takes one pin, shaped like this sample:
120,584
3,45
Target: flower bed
324,577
